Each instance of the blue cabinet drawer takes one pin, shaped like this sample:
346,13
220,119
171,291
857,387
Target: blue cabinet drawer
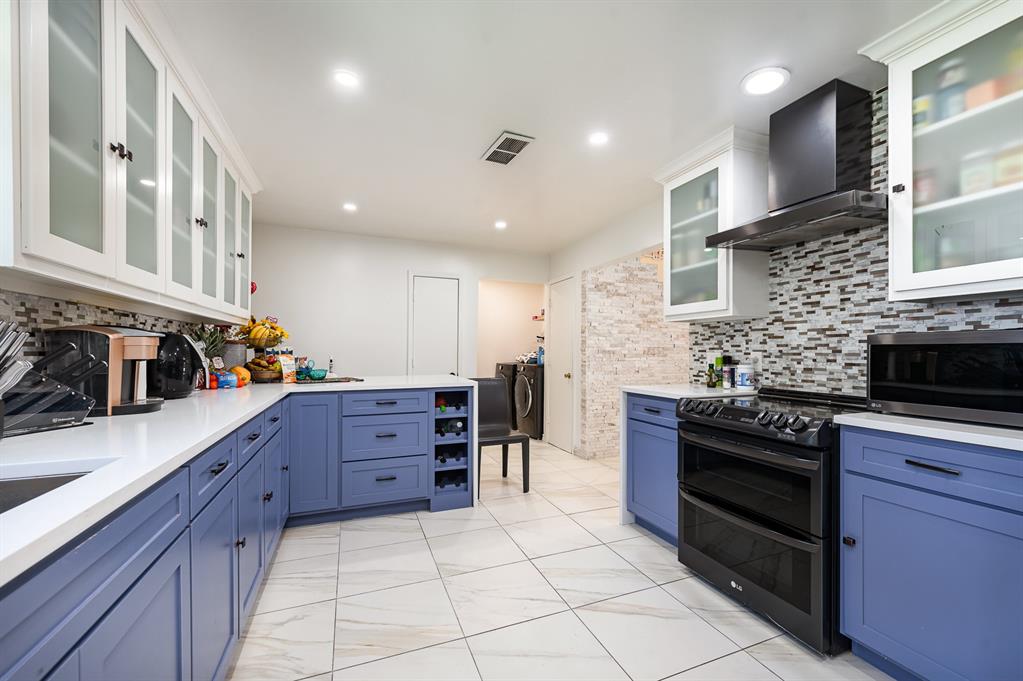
652,410
208,474
990,476
273,418
931,582
382,437
48,612
384,402
652,476
250,438
376,482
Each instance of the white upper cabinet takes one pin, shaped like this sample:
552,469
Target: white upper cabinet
955,117
130,182
718,185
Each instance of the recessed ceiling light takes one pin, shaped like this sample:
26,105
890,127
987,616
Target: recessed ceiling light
346,78
598,139
349,207
500,224
145,182
763,81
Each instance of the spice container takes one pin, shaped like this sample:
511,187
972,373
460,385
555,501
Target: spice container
976,172
952,88
923,111
1009,164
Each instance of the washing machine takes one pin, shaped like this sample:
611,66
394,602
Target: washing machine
529,400
508,371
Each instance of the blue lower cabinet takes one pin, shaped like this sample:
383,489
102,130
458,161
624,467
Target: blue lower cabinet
933,583
272,476
314,453
215,618
147,634
652,476
285,462
383,481
250,533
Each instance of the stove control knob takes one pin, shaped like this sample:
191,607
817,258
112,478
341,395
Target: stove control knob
682,404
700,407
779,420
713,409
764,418
796,423
692,406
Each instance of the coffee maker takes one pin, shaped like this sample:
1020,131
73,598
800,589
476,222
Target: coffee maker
121,388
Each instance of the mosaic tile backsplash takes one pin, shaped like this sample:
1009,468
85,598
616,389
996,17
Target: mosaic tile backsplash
827,296
35,313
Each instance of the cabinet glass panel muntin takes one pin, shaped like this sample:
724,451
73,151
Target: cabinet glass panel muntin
967,151
142,87
246,240
694,216
183,126
210,168
76,121
230,238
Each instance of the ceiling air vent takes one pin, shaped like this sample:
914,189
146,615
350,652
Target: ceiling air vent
507,146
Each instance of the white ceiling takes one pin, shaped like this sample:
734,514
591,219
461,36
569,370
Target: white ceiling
440,80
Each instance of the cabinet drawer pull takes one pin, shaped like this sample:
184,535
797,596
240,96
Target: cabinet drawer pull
267,496
253,437
932,467
386,478
219,468
386,403
382,435
240,543
275,419
651,410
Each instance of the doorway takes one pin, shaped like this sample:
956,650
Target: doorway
434,325
559,357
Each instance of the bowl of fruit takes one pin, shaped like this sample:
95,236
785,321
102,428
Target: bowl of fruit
262,334
264,369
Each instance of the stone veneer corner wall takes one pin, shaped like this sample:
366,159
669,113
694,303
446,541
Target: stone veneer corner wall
624,339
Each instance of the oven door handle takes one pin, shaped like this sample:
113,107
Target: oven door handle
782,460
791,542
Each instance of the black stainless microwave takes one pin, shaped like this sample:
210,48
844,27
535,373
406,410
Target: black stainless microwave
974,376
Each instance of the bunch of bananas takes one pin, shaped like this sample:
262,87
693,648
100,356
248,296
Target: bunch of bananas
264,333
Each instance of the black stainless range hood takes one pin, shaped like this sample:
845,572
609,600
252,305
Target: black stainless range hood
818,172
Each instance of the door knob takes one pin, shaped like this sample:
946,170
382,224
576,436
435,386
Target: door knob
568,374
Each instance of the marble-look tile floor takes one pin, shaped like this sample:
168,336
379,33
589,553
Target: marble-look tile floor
545,585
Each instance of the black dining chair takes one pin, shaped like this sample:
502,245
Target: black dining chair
494,427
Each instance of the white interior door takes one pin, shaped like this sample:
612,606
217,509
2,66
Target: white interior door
434,325
558,359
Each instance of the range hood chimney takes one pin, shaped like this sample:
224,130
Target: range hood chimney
818,180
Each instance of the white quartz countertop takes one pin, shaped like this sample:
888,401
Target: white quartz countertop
968,433
125,455
677,391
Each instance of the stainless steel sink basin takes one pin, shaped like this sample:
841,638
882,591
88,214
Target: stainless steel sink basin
17,491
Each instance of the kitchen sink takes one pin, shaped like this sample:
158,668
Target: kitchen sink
16,491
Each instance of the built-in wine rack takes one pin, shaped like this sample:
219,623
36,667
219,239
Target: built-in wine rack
452,458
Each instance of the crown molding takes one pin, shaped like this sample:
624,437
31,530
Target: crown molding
726,140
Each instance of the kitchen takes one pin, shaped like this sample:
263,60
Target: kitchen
774,299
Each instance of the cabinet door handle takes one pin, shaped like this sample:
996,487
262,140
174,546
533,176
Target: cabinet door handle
253,437
386,403
120,150
898,189
275,419
284,467
651,410
219,468
128,155
849,541
267,496
386,478
240,255
240,543
381,435
932,467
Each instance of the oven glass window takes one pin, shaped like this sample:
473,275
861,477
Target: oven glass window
780,495
782,570
985,376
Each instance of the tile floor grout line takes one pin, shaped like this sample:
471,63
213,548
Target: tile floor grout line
337,590
601,644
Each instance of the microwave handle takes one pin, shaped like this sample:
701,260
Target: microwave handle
750,527
784,461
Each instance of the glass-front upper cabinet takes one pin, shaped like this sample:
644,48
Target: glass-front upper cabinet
184,224
719,184
230,252
244,281
956,159
68,117
141,177
211,218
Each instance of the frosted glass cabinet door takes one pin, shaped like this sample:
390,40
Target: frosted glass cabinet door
243,253
211,225
230,239
140,223
693,215
184,228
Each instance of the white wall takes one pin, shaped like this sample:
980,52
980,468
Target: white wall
346,295
505,325
629,234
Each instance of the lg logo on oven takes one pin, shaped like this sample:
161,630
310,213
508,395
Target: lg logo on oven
737,587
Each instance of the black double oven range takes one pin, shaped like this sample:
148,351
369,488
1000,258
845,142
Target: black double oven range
758,481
